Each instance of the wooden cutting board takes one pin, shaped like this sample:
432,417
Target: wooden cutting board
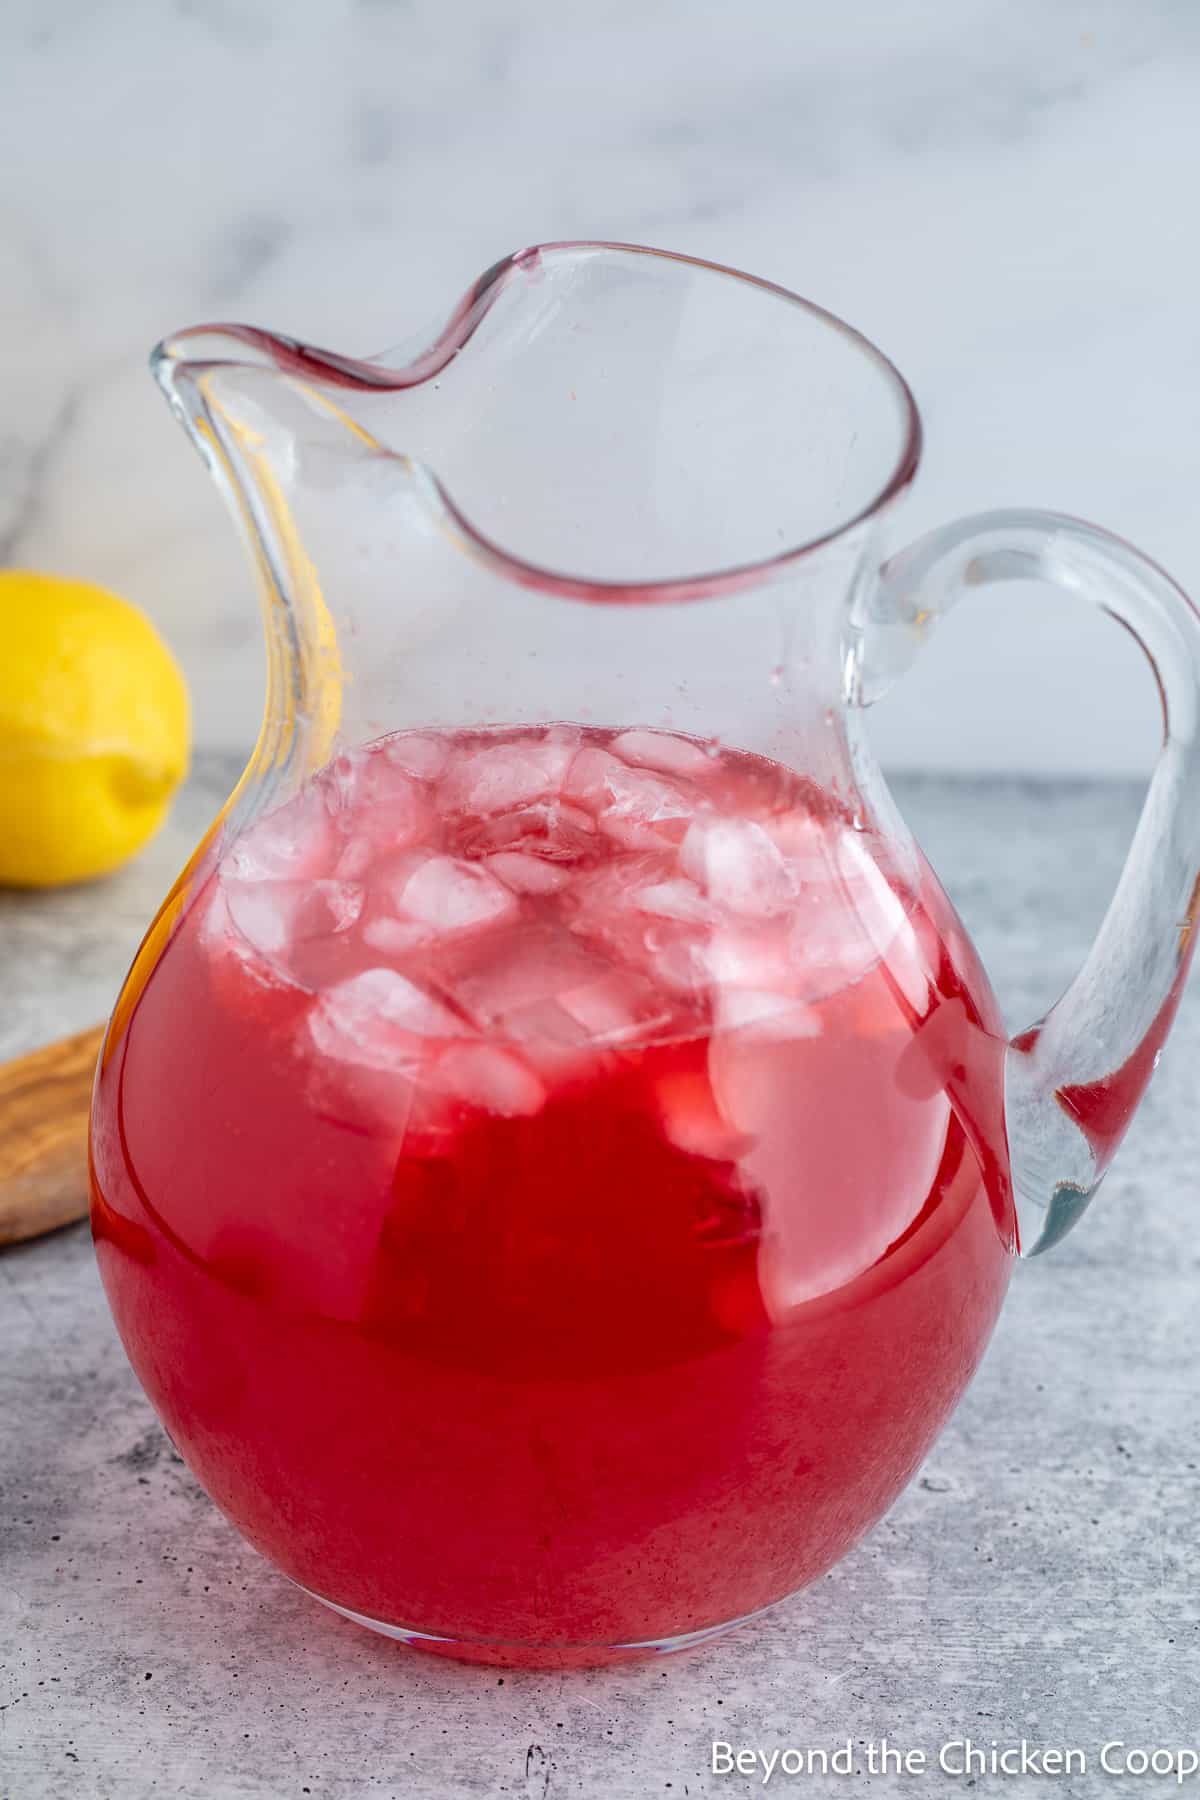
44,1100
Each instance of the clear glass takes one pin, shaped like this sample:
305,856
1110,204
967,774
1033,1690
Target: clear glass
557,1160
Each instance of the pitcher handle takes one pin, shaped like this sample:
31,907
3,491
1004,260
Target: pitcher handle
1074,1080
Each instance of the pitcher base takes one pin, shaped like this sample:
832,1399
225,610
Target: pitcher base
534,1656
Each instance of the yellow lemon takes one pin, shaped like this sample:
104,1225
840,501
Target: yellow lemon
94,730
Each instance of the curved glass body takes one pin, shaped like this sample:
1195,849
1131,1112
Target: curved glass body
550,1161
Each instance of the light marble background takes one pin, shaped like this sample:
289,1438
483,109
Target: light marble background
1001,192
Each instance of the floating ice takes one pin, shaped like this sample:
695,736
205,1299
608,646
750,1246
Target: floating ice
551,830
807,845
355,859
368,794
664,751
755,956
451,895
501,777
612,887
358,1021
615,1008
601,904
640,809
557,999
769,1012
337,906
424,757
739,866
273,915
586,781
674,899
492,1079
679,964
293,842
396,937
574,818
572,897
526,874
392,874
850,921
752,980
538,964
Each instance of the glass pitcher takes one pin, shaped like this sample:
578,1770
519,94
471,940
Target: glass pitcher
557,1159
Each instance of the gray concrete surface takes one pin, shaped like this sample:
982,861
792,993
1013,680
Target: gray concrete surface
1037,1581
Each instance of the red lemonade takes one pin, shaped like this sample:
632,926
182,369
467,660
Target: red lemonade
551,1183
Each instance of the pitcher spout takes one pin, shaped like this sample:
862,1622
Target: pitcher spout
556,437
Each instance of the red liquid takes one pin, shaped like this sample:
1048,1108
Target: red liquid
552,1201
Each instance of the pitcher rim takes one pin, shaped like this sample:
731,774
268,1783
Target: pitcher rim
292,356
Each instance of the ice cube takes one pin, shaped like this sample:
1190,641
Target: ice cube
369,795
601,902
586,781
492,1079
616,1008
674,899
502,777
217,932
739,866
293,842
549,1039
355,859
396,937
547,994
531,965
452,895
752,980
663,750
806,844
851,922
213,915
574,818
338,902
549,829
829,948
526,874
680,964
273,915
378,1019
635,806
419,755
391,876
758,956
605,908
771,1013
